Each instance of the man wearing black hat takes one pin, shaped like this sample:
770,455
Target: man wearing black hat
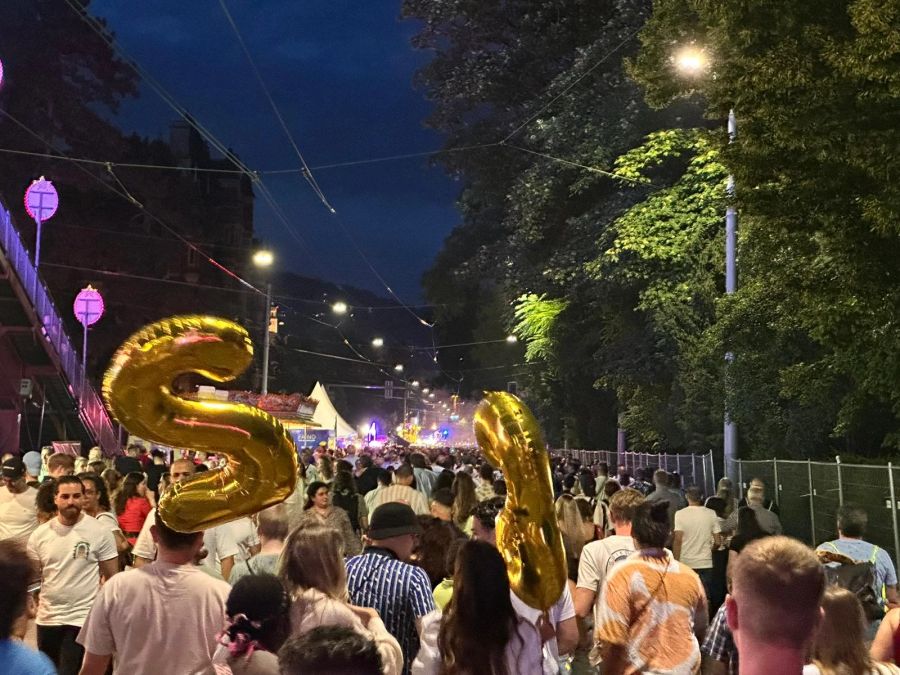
18,514
382,578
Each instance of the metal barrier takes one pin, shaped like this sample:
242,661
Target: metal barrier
91,409
807,493
694,469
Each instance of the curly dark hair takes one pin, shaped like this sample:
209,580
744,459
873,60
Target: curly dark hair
434,542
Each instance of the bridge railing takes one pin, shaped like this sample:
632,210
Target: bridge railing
90,406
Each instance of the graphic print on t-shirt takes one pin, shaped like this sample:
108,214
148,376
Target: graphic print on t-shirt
617,556
81,551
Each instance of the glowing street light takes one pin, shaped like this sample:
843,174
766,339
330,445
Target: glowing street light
263,258
426,390
414,383
512,339
431,395
399,368
339,308
378,342
691,61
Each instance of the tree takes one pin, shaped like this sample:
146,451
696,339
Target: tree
815,88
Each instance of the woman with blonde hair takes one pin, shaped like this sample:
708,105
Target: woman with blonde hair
312,570
568,517
840,644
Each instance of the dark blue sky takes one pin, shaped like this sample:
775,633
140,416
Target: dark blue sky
341,73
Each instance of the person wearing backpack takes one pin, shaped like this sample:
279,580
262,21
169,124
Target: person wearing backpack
851,526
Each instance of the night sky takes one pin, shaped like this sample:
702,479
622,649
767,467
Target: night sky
341,74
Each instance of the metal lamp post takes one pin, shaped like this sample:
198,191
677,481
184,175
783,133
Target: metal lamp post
88,308
41,202
264,260
692,61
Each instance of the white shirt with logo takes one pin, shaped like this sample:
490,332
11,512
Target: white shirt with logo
69,558
596,561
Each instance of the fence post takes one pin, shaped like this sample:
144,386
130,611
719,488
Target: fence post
665,462
705,480
837,459
740,475
894,509
775,478
812,504
694,471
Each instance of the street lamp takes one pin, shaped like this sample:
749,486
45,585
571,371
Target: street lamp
399,368
692,61
378,342
414,383
339,307
263,259
512,339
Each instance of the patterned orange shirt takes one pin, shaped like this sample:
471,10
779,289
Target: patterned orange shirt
649,606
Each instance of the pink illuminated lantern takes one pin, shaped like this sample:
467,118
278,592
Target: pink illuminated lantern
41,202
88,310
88,306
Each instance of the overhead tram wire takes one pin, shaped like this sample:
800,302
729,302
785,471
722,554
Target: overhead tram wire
205,133
307,173
254,176
130,198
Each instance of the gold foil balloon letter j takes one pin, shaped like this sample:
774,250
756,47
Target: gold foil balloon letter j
528,536
261,468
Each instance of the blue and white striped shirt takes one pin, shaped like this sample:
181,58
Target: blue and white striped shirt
400,592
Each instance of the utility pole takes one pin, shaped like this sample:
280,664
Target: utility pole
731,224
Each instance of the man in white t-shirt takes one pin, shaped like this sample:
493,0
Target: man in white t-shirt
219,543
74,553
697,531
563,638
18,514
243,531
599,557
162,617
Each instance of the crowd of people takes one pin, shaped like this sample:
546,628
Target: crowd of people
389,565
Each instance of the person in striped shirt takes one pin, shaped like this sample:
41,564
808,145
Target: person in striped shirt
383,579
402,491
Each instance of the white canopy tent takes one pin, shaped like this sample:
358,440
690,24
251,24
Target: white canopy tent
327,416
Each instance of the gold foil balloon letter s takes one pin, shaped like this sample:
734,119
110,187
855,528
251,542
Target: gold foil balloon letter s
261,468
528,536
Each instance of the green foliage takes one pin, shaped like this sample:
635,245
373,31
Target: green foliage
816,87
536,316
627,231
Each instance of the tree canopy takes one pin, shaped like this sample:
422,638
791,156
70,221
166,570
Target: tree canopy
592,215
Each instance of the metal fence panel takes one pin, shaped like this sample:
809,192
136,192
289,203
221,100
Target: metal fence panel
826,500
869,487
794,499
808,494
